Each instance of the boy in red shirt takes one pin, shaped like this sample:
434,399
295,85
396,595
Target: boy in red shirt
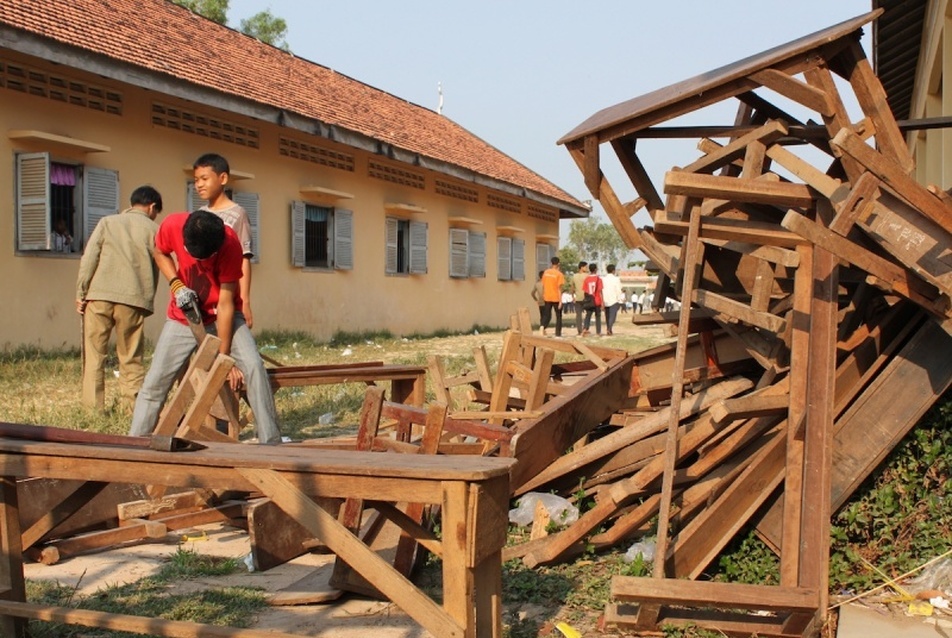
206,269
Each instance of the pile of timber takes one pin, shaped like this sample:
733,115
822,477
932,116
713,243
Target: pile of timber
814,276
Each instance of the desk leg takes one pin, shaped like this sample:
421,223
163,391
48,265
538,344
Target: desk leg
474,532
12,586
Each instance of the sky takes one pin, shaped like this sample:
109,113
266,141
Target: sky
521,73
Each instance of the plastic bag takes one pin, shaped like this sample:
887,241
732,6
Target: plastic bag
644,547
937,576
561,512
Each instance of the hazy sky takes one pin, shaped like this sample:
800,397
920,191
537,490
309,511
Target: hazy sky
520,74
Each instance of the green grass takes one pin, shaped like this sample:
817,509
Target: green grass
154,597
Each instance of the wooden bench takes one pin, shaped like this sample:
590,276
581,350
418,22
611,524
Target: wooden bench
472,493
407,383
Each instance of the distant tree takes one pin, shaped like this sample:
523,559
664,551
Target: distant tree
215,10
569,258
263,25
597,241
267,28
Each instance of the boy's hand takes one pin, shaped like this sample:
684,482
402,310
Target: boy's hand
249,317
235,379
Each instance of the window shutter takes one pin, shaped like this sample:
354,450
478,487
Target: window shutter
519,259
191,197
459,252
418,248
392,248
543,256
297,233
477,254
100,197
33,201
504,258
343,239
251,203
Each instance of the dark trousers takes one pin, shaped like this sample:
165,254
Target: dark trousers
547,316
578,316
611,312
598,319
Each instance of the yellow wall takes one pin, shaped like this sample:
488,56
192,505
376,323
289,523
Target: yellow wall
932,149
38,290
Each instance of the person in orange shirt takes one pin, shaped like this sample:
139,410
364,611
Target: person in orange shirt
552,282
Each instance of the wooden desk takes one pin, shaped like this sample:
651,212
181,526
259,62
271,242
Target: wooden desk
407,383
473,493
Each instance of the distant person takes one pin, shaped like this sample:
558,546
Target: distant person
593,301
552,282
60,239
115,289
578,289
612,296
201,258
568,302
211,173
537,294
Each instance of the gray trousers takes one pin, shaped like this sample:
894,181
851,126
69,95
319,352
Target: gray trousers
176,343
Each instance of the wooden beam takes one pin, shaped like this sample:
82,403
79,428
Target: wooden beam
637,173
615,210
710,162
738,189
794,89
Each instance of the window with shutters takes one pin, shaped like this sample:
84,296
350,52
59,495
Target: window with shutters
58,204
467,253
321,237
510,259
544,255
406,247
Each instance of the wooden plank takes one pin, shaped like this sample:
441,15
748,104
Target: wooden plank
770,254
613,207
351,514
713,594
857,205
739,311
891,276
710,162
800,92
872,100
12,584
406,547
623,437
693,258
438,379
816,510
760,295
540,378
637,173
61,512
343,543
177,406
591,170
749,406
754,191
274,536
135,624
745,231
821,78
482,368
892,175
568,417
132,530
827,186
503,381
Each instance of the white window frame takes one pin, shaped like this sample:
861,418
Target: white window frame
416,257
99,196
340,238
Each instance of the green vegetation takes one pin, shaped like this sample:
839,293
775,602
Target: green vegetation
158,596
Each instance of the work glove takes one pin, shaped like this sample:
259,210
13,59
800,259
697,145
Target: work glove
187,300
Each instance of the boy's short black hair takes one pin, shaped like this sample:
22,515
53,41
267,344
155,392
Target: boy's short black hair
582,264
146,196
593,267
610,268
203,234
555,261
214,161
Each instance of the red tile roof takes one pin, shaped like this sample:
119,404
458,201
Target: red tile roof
162,37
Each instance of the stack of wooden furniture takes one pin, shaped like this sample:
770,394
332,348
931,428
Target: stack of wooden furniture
815,279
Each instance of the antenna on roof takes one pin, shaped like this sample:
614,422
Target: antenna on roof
439,90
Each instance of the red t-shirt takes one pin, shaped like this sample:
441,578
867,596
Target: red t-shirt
206,276
593,286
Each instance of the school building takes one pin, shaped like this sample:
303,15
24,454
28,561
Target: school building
369,212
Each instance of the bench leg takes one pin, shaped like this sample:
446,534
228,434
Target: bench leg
12,586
